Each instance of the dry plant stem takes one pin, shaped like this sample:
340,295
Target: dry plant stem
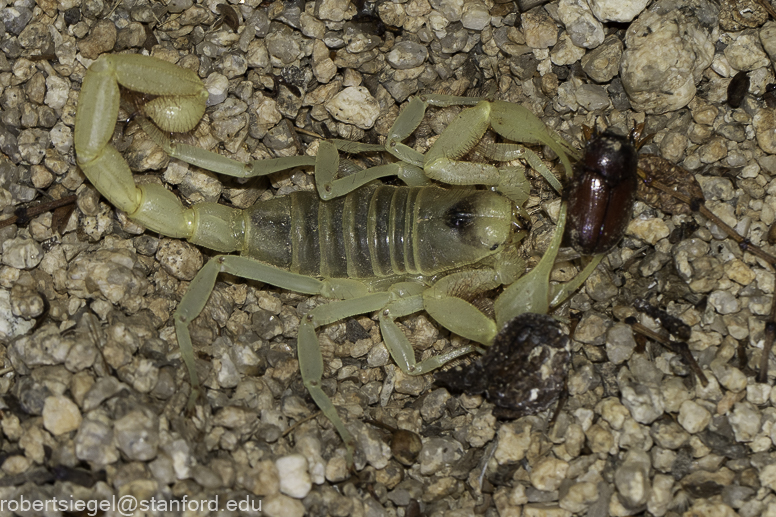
742,242
767,6
678,347
23,215
562,400
302,421
745,245
770,334
380,425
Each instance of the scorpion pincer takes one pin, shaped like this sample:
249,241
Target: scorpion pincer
370,247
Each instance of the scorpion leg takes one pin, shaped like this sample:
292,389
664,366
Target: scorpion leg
517,123
408,168
202,285
442,162
308,348
443,302
219,163
327,165
408,298
533,292
326,162
406,123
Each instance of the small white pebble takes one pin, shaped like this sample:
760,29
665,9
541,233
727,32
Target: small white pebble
693,417
294,478
60,415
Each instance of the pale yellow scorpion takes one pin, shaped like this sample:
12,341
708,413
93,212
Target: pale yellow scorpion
370,247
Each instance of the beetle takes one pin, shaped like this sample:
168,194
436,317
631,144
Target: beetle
600,195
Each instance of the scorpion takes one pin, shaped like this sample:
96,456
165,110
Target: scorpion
370,247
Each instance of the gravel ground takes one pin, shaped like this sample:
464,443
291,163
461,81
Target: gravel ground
94,390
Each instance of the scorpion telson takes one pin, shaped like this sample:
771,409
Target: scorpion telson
391,250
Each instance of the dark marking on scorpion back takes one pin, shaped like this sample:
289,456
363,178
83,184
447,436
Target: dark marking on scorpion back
461,215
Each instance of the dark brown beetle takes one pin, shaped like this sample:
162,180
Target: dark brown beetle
601,193
737,89
770,95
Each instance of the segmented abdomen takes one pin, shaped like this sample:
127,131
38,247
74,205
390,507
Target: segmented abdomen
378,231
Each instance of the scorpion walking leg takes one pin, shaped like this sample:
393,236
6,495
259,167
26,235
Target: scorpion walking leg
202,285
327,165
443,302
218,163
408,168
442,161
311,361
406,123
308,349
408,298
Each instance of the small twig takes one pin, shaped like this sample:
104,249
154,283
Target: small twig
302,421
696,204
770,334
767,6
25,214
308,133
678,347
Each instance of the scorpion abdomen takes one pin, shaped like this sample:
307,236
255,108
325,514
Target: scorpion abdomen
380,231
